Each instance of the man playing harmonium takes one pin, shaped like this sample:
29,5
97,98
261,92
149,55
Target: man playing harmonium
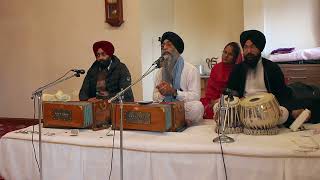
256,74
107,75
178,80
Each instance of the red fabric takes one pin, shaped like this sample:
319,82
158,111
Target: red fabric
216,84
106,46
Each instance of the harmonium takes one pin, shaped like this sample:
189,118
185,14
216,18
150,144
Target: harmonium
159,117
77,114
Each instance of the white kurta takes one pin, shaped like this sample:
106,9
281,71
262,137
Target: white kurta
255,84
255,80
190,94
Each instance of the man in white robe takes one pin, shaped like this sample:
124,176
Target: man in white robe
178,80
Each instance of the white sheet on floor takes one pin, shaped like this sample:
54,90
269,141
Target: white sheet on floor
154,156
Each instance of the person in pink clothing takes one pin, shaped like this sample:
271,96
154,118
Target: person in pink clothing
219,77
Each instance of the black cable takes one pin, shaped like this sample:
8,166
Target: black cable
34,117
224,164
222,153
114,133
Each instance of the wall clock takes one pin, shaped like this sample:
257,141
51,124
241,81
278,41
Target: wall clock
114,12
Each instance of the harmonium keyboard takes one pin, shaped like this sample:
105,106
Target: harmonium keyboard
159,117
77,114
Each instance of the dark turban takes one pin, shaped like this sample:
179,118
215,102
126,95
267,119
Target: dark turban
106,46
174,39
257,38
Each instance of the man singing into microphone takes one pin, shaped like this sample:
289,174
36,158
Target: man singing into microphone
107,75
178,80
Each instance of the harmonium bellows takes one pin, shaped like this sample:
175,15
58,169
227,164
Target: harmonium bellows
159,117
76,114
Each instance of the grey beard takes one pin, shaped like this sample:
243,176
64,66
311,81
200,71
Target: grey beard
167,70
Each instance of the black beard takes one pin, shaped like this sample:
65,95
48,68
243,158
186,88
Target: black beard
251,60
103,64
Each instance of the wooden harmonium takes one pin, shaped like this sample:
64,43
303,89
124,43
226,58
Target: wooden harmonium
159,117
77,114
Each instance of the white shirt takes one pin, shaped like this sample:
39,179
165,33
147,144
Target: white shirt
255,80
190,84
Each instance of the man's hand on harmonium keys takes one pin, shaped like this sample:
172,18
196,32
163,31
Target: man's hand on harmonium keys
166,89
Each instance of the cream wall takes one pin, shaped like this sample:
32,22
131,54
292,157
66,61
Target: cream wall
286,23
207,26
42,39
292,23
253,12
156,18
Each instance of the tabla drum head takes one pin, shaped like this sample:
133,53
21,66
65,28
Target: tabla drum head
257,99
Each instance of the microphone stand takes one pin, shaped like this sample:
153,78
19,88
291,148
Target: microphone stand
222,138
37,94
119,96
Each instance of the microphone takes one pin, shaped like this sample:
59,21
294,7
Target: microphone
230,93
78,71
158,61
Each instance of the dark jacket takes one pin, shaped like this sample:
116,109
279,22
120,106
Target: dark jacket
118,78
273,79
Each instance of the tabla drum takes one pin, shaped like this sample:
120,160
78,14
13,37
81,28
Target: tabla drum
260,114
231,123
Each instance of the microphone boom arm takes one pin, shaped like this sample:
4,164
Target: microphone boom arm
134,83
39,90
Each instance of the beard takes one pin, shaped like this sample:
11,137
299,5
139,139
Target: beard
252,60
167,67
103,64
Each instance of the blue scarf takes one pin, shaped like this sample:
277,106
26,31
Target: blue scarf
177,70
